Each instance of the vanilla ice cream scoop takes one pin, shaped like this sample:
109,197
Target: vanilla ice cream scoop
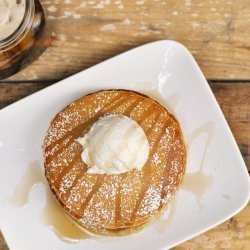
115,144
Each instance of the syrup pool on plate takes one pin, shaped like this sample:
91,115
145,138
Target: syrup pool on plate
53,215
198,182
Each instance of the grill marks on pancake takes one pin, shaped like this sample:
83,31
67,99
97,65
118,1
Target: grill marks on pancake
67,169
85,126
167,170
100,178
147,171
77,167
94,182
118,199
99,182
118,195
165,180
77,131
81,128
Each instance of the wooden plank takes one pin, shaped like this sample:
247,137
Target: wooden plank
87,32
12,92
234,100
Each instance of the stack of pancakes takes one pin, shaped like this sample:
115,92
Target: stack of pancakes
112,204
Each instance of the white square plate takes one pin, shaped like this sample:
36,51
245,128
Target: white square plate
215,187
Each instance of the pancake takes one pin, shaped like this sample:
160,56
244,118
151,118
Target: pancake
113,204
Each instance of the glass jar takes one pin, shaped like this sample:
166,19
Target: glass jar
27,41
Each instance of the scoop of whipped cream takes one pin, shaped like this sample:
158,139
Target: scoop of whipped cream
115,144
11,16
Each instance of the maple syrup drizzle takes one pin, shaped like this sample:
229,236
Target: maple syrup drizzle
198,183
52,214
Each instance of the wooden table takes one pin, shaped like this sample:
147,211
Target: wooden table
216,32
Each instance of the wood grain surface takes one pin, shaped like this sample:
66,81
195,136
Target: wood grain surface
216,32
87,32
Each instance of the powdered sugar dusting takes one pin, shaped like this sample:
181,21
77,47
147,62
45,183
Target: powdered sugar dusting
96,201
151,201
156,159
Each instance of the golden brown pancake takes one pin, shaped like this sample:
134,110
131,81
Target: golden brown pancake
109,204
